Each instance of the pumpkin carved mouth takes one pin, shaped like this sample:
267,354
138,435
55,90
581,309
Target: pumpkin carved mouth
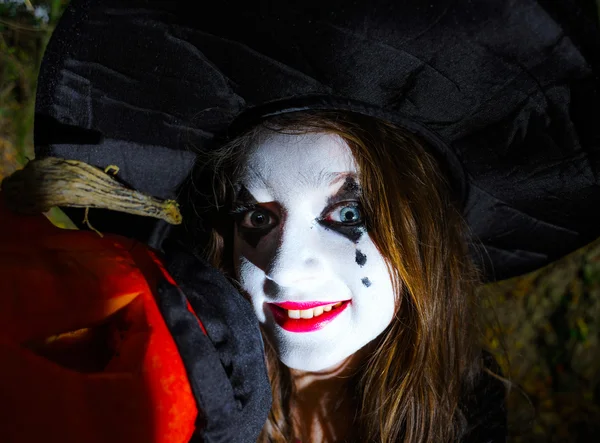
85,350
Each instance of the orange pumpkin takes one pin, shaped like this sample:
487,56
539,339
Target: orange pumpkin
85,354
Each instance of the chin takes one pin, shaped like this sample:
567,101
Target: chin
311,362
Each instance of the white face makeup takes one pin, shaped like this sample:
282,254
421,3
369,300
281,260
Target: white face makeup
300,242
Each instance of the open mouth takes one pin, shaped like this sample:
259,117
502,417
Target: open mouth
307,316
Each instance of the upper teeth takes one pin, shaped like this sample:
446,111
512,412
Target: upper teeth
313,312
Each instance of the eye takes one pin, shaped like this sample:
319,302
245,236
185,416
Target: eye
348,214
257,219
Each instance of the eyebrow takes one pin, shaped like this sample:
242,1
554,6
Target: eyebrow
350,190
324,178
244,197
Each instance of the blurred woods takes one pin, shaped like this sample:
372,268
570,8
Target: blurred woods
25,28
544,327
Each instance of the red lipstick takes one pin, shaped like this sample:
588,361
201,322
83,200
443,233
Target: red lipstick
299,306
304,324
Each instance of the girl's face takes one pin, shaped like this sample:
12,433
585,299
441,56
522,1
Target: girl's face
302,254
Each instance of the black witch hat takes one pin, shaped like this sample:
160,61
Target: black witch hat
505,92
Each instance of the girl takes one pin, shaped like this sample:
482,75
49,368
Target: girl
342,225
343,234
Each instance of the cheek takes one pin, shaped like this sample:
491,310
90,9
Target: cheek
245,271
368,266
371,281
260,253
361,267
251,280
250,264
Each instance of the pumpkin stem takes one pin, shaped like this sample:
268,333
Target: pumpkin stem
51,181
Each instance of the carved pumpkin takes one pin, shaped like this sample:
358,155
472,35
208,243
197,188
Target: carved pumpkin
86,355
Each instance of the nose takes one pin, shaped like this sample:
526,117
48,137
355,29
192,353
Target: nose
300,257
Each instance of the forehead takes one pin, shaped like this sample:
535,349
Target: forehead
313,159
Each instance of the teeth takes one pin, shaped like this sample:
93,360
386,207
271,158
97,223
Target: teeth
314,312
308,313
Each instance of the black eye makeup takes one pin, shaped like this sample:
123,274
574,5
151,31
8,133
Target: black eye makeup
346,217
245,205
343,214
346,213
350,191
253,222
345,202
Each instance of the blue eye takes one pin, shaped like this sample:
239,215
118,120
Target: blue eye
347,214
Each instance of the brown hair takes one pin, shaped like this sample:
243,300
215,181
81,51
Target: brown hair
410,389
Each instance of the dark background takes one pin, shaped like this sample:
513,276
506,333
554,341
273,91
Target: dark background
543,327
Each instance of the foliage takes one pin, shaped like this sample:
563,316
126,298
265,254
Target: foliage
25,29
24,32
546,337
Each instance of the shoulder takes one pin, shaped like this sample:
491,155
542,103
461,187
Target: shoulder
485,406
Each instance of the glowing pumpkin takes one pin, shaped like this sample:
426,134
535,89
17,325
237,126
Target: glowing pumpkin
85,353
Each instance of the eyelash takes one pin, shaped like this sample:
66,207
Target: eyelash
240,212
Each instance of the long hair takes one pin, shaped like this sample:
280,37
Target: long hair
410,388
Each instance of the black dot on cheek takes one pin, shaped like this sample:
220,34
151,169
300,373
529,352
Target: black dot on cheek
366,282
361,258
